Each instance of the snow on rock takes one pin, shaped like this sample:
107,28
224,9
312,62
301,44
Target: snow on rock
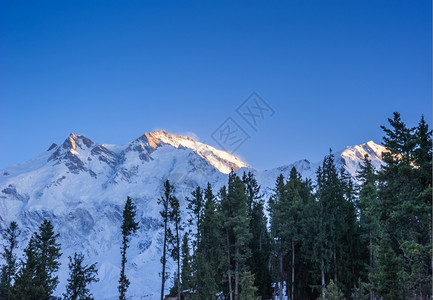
81,187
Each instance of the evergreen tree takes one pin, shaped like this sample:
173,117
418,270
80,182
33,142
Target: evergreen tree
252,190
368,204
405,199
248,290
26,286
186,273
9,269
260,251
80,276
209,255
36,279
195,208
48,251
260,242
333,292
164,200
129,226
338,235
388,278
174,238
278,217
237,219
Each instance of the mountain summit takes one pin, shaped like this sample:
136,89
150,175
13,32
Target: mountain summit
81,187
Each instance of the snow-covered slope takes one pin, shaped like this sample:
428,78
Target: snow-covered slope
81,186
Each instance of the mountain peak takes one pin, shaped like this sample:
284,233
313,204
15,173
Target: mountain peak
75,140
222,160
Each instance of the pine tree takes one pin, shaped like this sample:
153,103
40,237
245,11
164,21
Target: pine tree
186,273
278,217
174,238
405,198
248,290
260,251
260,242
48,254
129,226
235,211
26,286
36,279
9,269
338,236
368,204
389,279
333,292
164,200
195,208
252,190
80,276
209,255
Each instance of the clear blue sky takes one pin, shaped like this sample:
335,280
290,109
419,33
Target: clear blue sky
333,71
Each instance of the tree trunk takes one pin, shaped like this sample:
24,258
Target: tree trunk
293,270
164,250
334,258
237,274
178,260
371,261
322,274
281,276
229,266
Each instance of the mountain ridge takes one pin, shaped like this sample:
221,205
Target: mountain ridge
81,187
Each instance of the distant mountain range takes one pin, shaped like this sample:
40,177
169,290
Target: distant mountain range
81,186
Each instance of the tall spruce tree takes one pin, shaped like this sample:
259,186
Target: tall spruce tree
48,254
129,226
405,219
209,255
174,238
260,251
368,204
278,217
195,209
26,286
80,276
164,200
9,269
186,273
337,235
36,279
260,243
235,212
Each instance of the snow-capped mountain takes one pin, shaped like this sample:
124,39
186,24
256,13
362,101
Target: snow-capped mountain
81,186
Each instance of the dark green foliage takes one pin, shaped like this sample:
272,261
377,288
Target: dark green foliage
342,241
48,255
195,207
405,210
360,291
260,251
209,255
174,237
333,292
27,285
234,210
248,290
9,269
164,200
129,226
186,274
36,279
80,276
